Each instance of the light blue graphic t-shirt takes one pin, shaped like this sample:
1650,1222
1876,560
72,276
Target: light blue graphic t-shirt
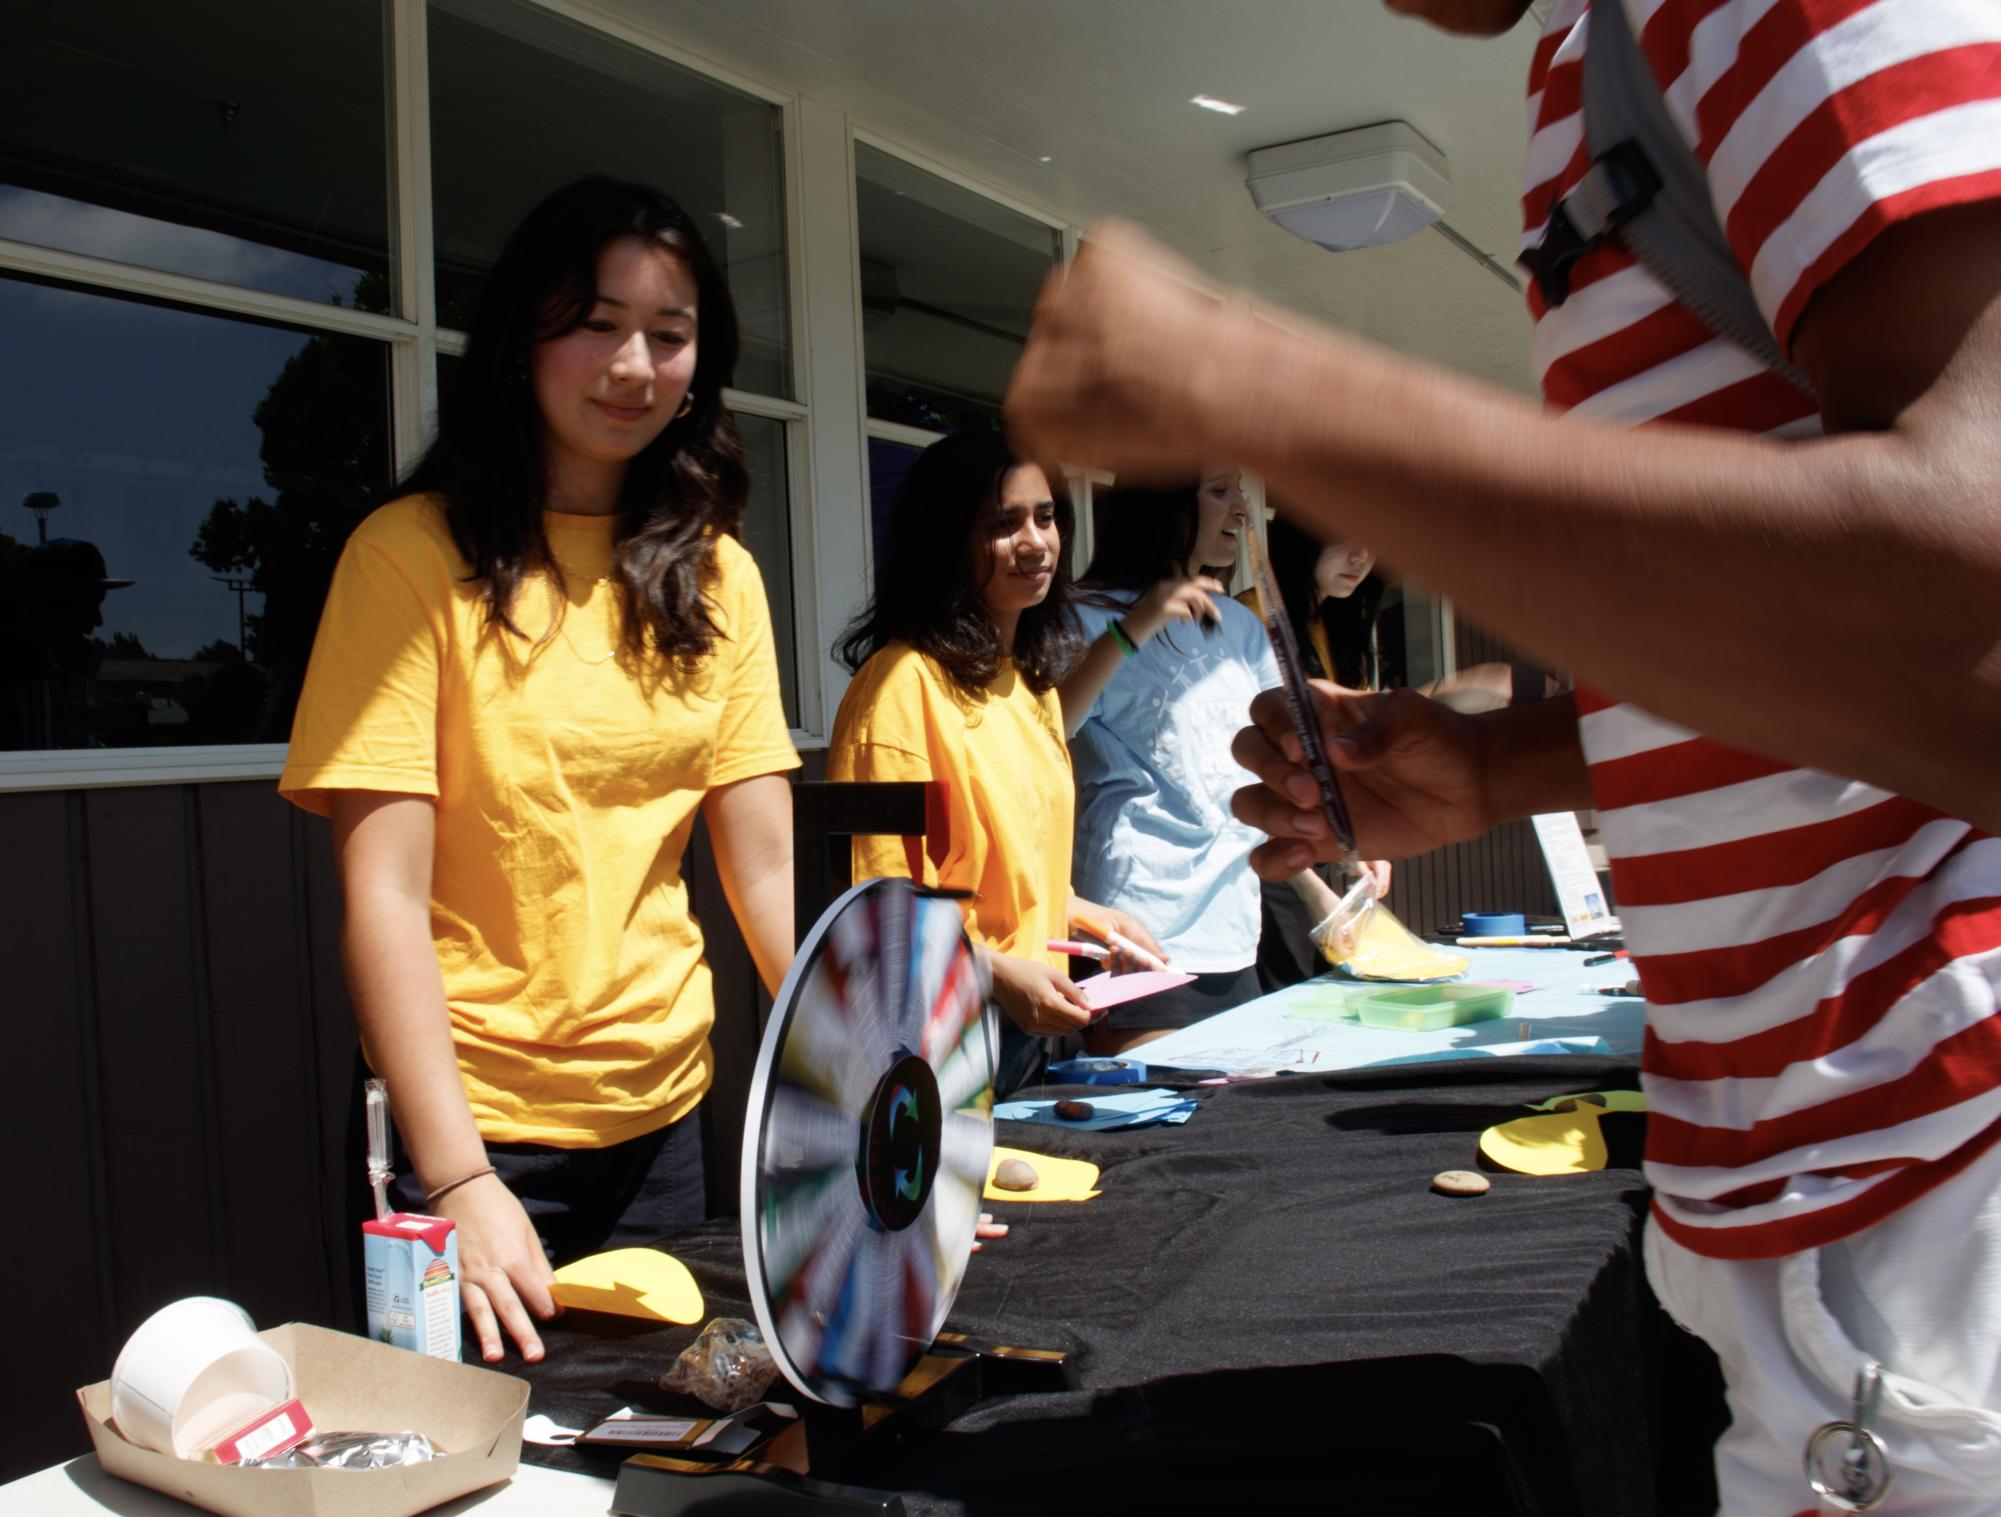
1154,778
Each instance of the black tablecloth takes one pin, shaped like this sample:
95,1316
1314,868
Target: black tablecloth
1269,1303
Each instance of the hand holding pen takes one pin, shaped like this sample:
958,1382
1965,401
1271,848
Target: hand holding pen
1413,772
1123,952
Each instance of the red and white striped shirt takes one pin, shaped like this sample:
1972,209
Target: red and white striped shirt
1820,957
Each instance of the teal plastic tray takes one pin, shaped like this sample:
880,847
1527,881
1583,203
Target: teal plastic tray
1426,1008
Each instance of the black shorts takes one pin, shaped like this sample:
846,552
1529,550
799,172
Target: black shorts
1185,1005
586,1200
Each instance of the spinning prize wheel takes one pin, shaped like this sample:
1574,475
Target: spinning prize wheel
866,1153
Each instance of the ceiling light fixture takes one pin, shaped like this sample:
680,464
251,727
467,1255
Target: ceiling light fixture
1211,103
1352,189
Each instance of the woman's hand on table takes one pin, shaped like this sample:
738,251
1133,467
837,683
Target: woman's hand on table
1038,998
504,1273
987,1228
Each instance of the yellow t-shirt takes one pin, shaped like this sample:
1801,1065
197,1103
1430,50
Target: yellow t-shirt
999,812
566,784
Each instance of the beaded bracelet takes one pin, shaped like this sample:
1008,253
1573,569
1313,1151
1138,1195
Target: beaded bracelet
1117,628
433,1197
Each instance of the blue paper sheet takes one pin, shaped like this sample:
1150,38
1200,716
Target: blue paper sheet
1290,1031
1110,1109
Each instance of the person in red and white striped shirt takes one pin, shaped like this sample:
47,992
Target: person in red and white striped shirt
1810,890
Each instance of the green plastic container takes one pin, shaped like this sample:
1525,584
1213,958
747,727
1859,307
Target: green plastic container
1426,1008
1324,1001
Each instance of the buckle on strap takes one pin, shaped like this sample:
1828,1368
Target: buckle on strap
1619,185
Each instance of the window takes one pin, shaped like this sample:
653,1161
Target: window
523,102
948,284
190,479
888,461
219,347
948,281
767,532
240,141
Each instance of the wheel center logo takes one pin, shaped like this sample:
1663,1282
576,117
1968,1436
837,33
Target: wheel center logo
899,1149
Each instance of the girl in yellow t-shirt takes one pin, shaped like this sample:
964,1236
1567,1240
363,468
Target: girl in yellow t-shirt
535,667
957,660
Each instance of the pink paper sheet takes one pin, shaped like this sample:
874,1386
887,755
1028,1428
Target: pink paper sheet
1102,991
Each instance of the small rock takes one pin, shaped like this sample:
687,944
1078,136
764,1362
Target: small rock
1075,1111
1460,1182
1016,1174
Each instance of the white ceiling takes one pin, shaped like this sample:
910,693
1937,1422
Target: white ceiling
1102,87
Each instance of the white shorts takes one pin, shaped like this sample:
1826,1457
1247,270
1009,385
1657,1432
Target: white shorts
1920,1293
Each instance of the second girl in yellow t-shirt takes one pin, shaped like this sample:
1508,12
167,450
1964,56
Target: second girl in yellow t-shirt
957,660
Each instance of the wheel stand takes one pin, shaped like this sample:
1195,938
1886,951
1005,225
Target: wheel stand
803,1470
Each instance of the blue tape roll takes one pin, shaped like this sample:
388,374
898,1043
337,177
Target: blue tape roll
1493,924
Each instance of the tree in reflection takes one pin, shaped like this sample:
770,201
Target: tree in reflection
325,452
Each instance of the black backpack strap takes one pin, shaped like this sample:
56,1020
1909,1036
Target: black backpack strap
1646,183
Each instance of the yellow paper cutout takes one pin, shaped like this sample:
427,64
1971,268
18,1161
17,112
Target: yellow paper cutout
1386,950
1609,1100
1055,1179
1564,1143
632,1282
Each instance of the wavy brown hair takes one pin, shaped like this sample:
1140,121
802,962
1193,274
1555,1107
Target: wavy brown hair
927,594
687,487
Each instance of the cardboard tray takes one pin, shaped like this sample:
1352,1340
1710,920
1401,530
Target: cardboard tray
346,1382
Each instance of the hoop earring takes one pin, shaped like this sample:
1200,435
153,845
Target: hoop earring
687,405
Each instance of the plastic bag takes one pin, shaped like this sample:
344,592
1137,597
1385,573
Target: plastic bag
726,1367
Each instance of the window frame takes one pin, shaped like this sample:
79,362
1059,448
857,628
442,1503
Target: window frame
414,340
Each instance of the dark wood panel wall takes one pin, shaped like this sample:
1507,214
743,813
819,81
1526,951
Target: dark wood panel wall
181,1065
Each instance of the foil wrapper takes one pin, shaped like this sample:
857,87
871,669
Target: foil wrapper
354,1451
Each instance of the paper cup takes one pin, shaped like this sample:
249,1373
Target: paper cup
192,1372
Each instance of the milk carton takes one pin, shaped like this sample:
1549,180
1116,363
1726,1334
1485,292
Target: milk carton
411,1267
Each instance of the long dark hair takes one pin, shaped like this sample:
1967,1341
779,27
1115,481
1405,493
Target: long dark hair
927,592
1353,625
686,487
1143,536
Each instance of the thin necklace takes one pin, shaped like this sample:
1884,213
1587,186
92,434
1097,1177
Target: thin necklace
584,658
563,628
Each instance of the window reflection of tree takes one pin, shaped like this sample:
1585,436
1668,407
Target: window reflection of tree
325,451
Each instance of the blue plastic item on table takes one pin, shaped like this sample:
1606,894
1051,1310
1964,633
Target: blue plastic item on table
1504,1050
1302,1029
1123,1108
1097,1072
1493,924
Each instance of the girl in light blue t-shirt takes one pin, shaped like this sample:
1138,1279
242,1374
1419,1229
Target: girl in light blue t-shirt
1165,684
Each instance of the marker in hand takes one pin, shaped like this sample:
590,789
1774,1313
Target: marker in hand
1116,939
